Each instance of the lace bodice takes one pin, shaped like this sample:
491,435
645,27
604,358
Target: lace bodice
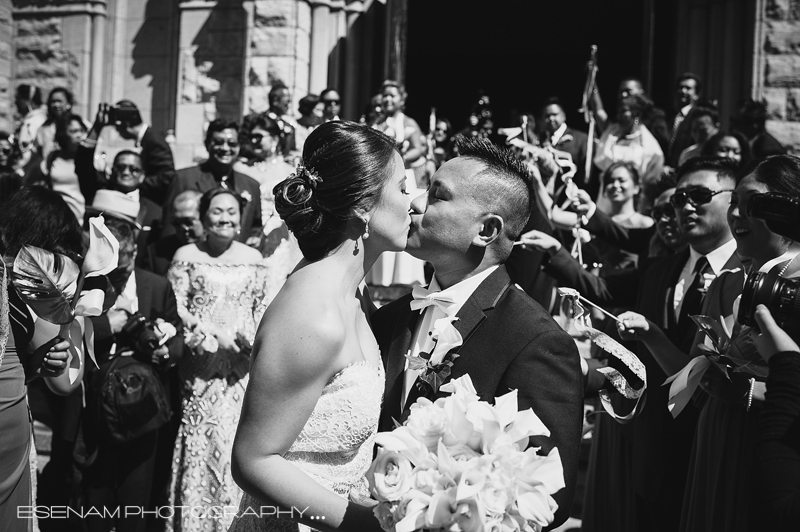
336,444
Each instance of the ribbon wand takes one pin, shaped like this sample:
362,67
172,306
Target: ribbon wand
588,115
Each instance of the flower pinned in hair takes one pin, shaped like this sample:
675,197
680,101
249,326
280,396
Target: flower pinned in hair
308,174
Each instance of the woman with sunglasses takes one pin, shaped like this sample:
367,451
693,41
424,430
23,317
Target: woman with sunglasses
719,493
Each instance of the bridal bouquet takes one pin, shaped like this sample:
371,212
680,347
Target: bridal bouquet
461,465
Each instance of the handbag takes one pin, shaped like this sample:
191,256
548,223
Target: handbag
132,400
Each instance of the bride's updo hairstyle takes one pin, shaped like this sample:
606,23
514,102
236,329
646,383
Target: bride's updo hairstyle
343,170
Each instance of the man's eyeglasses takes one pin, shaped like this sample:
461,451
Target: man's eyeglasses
122,168
697,196
330,102
220,143
663,211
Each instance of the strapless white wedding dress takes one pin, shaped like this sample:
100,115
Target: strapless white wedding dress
335,446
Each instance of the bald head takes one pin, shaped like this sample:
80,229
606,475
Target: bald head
186,216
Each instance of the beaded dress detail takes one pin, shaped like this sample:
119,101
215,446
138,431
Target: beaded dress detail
233,298
335,446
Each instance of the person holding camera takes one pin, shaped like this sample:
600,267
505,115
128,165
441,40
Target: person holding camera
720,493
777,459
136,341
222,291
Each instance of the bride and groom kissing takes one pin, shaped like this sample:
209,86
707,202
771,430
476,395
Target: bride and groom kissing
328,370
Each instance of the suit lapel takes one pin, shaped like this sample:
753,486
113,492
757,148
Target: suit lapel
394,359
143,293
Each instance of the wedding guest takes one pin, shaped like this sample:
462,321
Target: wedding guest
719,492
154,152
223,145
58,169
630,140
220,286
750,120
10,177
704,123
559,136
278,111
311,112
332,103
653,117
121,474
32,114
728,145
777,466
688,88
311,410
402,128
36,217
59,105
188,230
667,294
619,185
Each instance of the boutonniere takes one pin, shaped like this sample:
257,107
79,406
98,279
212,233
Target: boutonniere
435,367
565,139
708,278
247,196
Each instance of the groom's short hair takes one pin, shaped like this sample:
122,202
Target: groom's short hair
505,186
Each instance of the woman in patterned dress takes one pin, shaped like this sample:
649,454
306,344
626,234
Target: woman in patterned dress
220,286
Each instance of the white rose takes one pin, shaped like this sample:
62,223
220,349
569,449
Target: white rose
389,476
427,421
496,497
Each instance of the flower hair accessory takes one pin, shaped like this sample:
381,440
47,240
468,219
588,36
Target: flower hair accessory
307,174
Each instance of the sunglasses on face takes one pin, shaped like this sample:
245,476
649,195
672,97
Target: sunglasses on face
220,143
256,138
697,196
663,211
6,150
122,168
330,102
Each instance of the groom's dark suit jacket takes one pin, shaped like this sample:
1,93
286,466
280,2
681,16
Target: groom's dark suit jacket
509,342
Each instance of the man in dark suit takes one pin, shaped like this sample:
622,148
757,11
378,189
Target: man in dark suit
562,137
157,162
127,176
222,143
122,474
157,257
476,206
687,92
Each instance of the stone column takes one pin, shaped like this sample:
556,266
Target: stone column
777,69
7,108
320,44
350,90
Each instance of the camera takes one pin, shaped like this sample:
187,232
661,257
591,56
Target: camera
142,335
781,296
125,116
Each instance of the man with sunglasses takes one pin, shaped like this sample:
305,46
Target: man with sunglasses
333,106
127,175
222,143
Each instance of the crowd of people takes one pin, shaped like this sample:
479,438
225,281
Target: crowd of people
241,297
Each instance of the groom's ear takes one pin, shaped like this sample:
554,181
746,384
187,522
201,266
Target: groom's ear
490,229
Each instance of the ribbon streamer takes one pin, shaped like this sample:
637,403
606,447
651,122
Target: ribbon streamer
684,383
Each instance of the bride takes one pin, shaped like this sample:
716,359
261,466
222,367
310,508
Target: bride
305,439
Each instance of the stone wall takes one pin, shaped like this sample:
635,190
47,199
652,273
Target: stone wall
6,56
781,74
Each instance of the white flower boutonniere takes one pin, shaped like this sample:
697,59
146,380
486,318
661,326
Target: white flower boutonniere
247,196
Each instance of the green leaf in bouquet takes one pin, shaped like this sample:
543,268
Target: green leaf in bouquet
714,330
46,282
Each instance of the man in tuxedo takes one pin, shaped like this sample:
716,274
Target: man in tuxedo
687,92
465,226
222,143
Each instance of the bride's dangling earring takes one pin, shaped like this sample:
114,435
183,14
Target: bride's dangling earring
355,249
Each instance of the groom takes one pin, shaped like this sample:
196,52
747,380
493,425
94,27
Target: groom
465,226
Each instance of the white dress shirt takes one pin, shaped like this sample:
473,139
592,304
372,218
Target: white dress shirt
716,260
422,342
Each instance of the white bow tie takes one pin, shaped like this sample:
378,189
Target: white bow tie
424,298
